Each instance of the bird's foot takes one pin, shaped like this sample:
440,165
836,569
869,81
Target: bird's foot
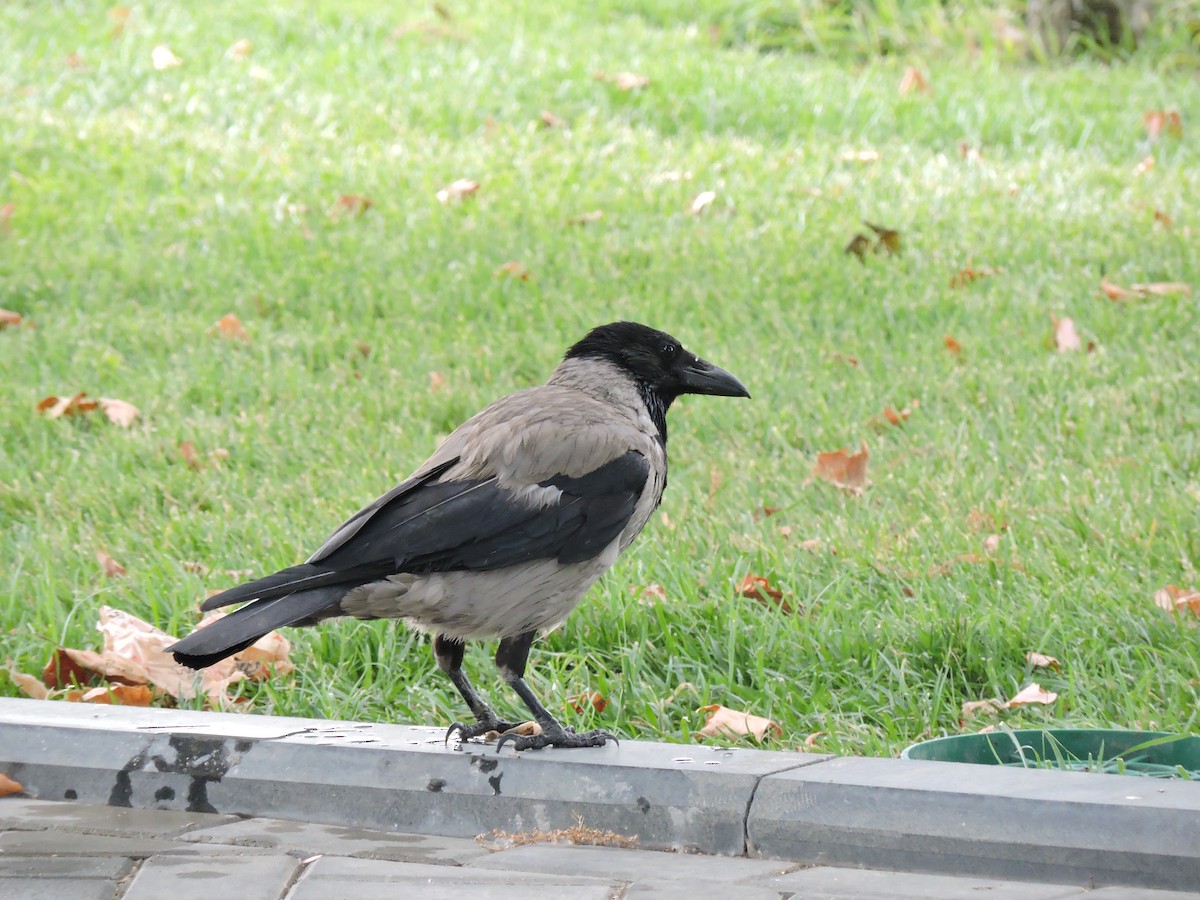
553,734
481,728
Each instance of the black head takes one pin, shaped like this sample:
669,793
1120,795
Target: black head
656,362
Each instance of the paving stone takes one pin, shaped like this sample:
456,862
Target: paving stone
187,878
630,865
911,815
54,843
336,878
58,877
17,813
304,839
694,890
867,884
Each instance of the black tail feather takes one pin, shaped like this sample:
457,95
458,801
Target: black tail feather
294,579
243,627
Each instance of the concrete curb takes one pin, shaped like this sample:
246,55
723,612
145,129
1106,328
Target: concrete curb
809,808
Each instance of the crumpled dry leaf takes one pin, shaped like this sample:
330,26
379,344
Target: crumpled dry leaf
1115,292
723,721
1159,120
548,119
702,201
8,786
115,694
512,269
457,190
1033,693
594,699
349,205
843,469
162,58
653,593
1066,338
859,245
1144,166
969,273
28,685
756,587
1042,661
231,327
914,82
119,412
437,381
991,544
952,345
112,568
57,407
888,238
973,708
8,318
1174,599
241,49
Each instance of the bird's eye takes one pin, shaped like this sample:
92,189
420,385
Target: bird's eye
668,351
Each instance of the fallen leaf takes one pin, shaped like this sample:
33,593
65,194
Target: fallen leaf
162,58
973,708
116,694
812,545
723,721
6,214
1066,338
1042,661
1161,218
550,120
1174,599
241,49
112,568
350,205
9,319
756,587
57,407
120,17
1158,120
8,786
624,81
194,567
815,738
586,218
702,201
594,699
888,238
991,543
767,512
119,412
457,190
75,62
28,685
859,245
969,153
969,274
1034,693
187,452
843,469
655,593
845,358
513,269
914,82
437,381
1144,166
231,327
895,416
1115,292
952,345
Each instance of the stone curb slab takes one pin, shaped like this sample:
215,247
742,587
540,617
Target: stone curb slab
911,815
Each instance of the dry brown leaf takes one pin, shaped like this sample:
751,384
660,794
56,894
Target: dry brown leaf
973,708
845,358
512,269
116,694
1174,599
969,274
1161,218
350,205
437,381
28,684
1034,693
1066,338
231,327
162,58
624,81
843,469
653,593
1158,121
1042,661
969,153
549,120
888,239
756,587
859,245
6,214
952,345
119,412
112,568
586,218
8,786
187,452
815,738
457,190
991,544
8,318
57,407
1115,292
894,416
594,699
702,201
812,545
723,721
914,82
1144,166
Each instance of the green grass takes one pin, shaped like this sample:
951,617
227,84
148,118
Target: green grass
147,204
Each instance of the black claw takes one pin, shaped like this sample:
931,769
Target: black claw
555,737
478,729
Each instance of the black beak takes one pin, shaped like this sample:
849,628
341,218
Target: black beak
701,377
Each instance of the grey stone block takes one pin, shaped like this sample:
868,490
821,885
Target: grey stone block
994,822
336,878
629,865
868,884
303,839
55,843
109,867
692,890
57,889
187,878
19,814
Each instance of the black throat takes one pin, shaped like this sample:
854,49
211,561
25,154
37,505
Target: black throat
657,407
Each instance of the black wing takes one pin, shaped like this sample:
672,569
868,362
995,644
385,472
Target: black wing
477,525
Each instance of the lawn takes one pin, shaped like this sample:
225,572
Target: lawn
1034,500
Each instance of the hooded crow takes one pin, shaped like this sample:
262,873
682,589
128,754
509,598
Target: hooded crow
502,531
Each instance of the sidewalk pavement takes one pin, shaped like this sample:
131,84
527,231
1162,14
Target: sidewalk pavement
71,851
279,807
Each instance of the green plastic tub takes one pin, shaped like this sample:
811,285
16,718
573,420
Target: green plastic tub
1152,753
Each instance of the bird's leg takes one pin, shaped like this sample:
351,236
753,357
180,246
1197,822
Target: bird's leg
511,658
449,654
